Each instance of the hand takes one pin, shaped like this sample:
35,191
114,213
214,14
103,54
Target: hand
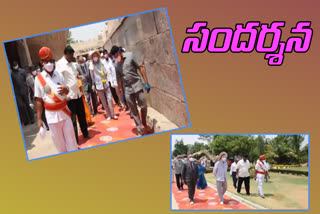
39,123
93,88
147,87
197,180
63,90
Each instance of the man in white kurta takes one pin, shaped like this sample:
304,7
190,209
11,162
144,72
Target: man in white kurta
260,172
57,113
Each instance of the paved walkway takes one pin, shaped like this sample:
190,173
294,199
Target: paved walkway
205,199
102,132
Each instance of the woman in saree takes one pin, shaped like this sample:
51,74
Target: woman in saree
202,183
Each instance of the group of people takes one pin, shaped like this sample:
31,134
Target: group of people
190,172
69,91
187,172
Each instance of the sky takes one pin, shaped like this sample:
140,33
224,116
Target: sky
87,32
191,139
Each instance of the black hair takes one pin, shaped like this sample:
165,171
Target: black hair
105,51
245,156
68,50
115,49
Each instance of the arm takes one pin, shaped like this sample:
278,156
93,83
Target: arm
39,102
215,169
184,173
143,74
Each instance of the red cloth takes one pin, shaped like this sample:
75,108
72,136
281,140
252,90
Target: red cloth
262,157
45,53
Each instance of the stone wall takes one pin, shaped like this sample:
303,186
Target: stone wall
56,41
148,35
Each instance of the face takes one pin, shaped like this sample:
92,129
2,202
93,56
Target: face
48,65
70,57
245,158
15,65
95,57
118,57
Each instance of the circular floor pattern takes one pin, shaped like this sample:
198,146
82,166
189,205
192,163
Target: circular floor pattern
112,129
105,121
105,138
212,203
212,198
201,194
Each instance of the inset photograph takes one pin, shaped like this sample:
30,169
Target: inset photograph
240,172
97,84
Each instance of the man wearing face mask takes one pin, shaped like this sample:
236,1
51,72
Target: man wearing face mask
112,78
190,176
128,66
220,171
99,76
260,172
87,86
67,69
30,82
51,91
19,77
243,173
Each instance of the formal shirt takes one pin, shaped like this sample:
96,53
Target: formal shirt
243,168
69,72
128,71
112,76
53,82
98,74
220,170
19,82
233,168
30,82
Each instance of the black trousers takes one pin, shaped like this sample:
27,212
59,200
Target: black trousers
77,110
94,100
191,190
246,184
43,117
179,181
25,111
234,178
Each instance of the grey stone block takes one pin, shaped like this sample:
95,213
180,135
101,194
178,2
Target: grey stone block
161,20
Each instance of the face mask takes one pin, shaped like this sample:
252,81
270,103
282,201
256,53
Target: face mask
95,59
48,67
118,59
264,161
191,159
82,64
223,159
16,67
34,73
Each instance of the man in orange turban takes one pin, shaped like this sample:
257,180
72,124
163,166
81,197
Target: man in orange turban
50,91
261,171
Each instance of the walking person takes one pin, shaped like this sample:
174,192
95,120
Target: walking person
50,92
243,173
100,84
233,173
260,172
65,66
202,183
267,169
19,77
178,167
129,67
190,176
220,171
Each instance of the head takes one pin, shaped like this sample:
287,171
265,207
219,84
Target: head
47,62
117,53
69,54
105,54
223,156
262,158
95,57
33,70
15,65
236,160
81,60
245,158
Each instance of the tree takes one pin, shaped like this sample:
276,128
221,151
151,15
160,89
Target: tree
196,147
70,40
206,138
180,148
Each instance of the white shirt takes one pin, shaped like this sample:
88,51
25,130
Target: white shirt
112,76
69,73
261,168
95,71
243,168
52,82
220,170
233,168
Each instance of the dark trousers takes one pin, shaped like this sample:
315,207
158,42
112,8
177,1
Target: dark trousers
77,110
25,111
234,178
246,184
191,190
43,117
179,181
114,94
94,100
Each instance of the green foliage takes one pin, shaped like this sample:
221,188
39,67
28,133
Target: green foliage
206,138
180,148
70,40
290,171
198,147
